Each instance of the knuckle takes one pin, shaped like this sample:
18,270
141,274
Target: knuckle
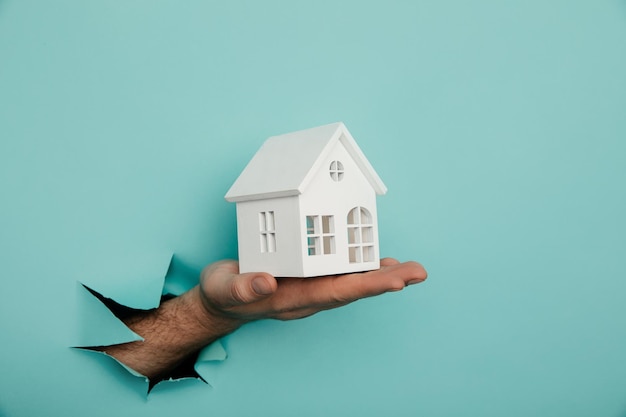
417,269
238,294
336,296
397,285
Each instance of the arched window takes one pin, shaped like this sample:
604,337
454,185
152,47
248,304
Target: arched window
360,236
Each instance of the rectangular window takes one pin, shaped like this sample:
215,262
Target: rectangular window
329,244
327,224
267,230
320,232
354,235
367,234
354,254
368,253
313,244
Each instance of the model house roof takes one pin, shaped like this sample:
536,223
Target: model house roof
285,164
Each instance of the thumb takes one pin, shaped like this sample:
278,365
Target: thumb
250,287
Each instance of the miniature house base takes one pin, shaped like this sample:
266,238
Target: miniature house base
306,206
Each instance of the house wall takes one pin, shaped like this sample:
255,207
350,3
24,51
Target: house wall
286,260
324,196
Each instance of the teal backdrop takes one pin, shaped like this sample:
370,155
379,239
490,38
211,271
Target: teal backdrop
499,128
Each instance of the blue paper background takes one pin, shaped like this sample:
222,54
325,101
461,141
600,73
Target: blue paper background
499,128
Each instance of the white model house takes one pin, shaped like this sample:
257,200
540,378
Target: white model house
306,206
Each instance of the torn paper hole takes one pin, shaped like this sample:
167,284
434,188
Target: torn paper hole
105,301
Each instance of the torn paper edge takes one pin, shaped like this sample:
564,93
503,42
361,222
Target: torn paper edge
214,352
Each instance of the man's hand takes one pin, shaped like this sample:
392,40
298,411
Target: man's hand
253,296
225,300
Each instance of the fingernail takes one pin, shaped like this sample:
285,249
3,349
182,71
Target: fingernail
414,281
261,286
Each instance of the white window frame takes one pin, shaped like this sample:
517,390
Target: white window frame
320,235
336,170
267,230
360,236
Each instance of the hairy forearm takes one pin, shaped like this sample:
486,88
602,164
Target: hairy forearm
179,328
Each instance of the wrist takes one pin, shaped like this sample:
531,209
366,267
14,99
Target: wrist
214,322
173,333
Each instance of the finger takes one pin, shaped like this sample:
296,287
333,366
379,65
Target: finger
390,278
411,272
307,311
388,262
228,289
343,289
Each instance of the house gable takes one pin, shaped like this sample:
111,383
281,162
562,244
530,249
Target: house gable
337,182
333,197
286,164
